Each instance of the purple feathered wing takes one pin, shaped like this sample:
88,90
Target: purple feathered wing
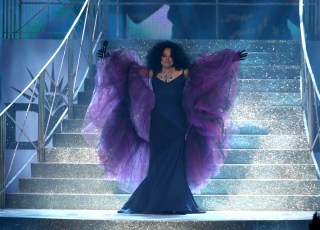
121,105
208,95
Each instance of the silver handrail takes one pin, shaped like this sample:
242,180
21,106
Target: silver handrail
310,91
90,37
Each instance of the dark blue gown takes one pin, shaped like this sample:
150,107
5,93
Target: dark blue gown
165,190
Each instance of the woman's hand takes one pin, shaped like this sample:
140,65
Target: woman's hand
242,54
102,53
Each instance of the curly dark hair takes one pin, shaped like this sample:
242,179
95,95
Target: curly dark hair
180,58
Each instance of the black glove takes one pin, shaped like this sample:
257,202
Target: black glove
242,54
102,53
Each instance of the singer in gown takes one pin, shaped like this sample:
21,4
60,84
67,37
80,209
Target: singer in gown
163,128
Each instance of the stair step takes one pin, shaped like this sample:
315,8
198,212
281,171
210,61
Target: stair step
259,156
228,171
268,142
264,58
214,186
243,99
254,58
246,85
256,127
270,85
266,112
235,156
235,141
207,202
268,99
268,127
264,72
238,113
269,72
288,47
111,220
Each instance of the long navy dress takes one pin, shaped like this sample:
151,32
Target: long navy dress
165,189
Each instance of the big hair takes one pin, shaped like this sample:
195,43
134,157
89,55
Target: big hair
180,58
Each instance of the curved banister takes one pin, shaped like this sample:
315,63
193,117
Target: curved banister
304,48
50,59
310,92
88,35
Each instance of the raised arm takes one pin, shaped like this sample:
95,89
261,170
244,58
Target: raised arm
102,53
242,54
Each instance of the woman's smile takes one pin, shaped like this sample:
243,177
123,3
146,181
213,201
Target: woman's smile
166,59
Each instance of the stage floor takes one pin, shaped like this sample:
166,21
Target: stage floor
113,215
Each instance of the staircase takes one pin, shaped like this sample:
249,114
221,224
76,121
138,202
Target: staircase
269,167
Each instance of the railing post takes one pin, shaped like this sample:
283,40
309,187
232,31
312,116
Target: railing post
3,125
317,16
303,80
14,19
20,19
6,24
104,13
310,112
70,76
217,18
92,13
10,20
41,114
3,18
117,19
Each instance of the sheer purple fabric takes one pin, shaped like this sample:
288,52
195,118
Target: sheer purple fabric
120,112
208,96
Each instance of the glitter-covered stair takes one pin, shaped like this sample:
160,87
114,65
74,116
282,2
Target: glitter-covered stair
269,167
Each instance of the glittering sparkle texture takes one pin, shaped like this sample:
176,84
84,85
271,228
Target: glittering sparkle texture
96,219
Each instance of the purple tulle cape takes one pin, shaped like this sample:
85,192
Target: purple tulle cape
119,115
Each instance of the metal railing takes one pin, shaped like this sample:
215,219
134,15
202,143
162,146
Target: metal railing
13,11
52,95
309,12
310,16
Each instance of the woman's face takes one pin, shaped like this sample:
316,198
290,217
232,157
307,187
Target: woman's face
166,59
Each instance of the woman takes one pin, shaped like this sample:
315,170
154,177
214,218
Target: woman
160,138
